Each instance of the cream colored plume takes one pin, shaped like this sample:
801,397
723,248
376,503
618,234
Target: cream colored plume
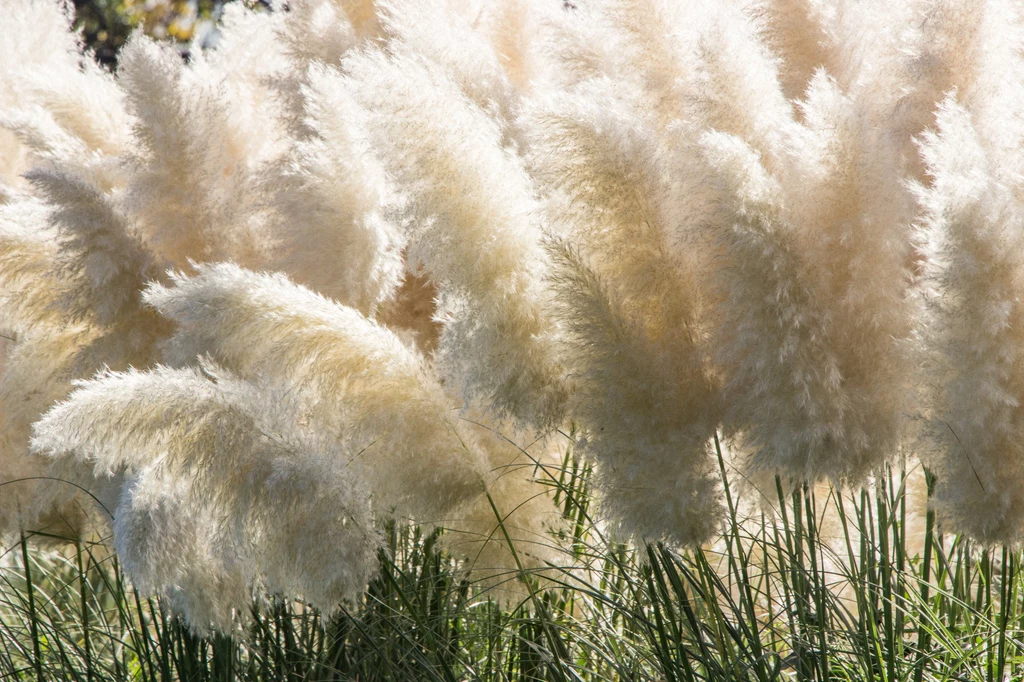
192,185
330,221
39,350
814,329
647,414
473,229
436,30
975,258
223,500
644,394
318,32
37,372
358,380
74,274
28,248
55,102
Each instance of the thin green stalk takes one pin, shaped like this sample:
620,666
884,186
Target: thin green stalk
83,585
923,631
1005,605
818,619
739,567
37,652
885,571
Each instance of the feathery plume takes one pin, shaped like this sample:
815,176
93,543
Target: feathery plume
783,388
818,309
330,222
474,232
60,105
795,30
363,384
96,244
192,187
36,35
975,255
434,31
643,392
221,502
648,414
38,370
511,28
28,247
77,309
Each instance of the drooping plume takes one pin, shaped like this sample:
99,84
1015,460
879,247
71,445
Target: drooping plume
56,103
223,500
975,254
330,218
192,187
76,272
816,320
360,382
473,230
634,347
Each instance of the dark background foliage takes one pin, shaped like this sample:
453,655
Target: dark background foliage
106,24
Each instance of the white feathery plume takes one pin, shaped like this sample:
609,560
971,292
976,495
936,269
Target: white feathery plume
643,392
96,244
733,87
577,45
28,248
37,372
844,187
690,67
318,32
378,398
85,102
434,31
601,166
648,414
192,191
62,106
474,232
35,34
247,58
511,27
652,49
168,546
74,118
783,388
706,65
75,276
898,60
329,218
816,325
363,384
988,74
40,351
795,30
222,502
365,17
103,268
975,249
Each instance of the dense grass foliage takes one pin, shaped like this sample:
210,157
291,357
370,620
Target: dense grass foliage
773,600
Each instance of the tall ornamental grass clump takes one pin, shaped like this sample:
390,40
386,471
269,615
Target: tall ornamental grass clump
367,267
784,594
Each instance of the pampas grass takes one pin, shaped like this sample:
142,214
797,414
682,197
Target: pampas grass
368,264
